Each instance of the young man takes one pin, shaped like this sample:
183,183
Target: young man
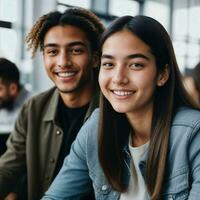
12,96
49,122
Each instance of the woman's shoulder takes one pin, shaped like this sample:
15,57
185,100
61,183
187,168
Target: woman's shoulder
184,141
185,126
187,117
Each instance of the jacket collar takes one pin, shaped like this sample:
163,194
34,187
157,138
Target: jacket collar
50,114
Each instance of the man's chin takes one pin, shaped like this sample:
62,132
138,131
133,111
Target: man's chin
72,89
76,88
67,91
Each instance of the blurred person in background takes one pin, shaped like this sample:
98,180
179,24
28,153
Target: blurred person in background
49,122
192,83
12,96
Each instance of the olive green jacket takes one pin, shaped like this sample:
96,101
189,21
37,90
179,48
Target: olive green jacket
34,145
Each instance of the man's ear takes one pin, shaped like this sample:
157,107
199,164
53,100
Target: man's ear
13,89
95,60
163,76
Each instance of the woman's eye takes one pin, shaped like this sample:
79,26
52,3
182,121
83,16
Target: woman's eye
107,65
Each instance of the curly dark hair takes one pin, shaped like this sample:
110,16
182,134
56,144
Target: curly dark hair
76,16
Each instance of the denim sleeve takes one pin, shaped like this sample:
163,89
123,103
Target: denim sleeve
73,181
194,160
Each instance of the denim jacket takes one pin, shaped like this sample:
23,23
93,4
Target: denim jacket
81,169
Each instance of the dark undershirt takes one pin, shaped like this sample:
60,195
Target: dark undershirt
70,120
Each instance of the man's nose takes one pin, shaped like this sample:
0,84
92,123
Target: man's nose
64,60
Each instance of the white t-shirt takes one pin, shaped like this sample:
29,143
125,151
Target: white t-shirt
137,189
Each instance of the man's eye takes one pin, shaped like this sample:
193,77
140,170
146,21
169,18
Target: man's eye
136,65
51,52
76,51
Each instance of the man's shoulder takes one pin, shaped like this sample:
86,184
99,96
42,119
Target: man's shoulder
42,95
43,98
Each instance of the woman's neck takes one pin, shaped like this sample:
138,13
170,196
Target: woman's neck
141,126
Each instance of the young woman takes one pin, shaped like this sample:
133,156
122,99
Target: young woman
143,142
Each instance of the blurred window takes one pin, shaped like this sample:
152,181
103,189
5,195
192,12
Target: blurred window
125,7
81,3
158,11
107,10
8,36
8,43
186,32
8,10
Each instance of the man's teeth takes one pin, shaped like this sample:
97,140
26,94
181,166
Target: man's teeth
65,74
122,93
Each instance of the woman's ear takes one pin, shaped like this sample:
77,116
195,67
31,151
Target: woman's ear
163,76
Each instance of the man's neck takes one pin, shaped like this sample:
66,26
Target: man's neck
77,99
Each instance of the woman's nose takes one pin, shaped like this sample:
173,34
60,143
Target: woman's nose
120,76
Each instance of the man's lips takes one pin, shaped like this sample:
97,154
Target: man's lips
66,74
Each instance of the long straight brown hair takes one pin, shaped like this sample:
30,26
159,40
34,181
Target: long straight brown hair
114,127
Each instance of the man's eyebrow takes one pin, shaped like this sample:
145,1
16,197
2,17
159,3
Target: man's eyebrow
137,55
70,44
50,45
77,43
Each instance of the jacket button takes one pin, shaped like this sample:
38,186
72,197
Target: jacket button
58,132
104,187
51,160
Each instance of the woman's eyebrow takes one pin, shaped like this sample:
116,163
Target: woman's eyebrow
137,55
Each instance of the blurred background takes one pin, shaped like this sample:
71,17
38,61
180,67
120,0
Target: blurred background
181,18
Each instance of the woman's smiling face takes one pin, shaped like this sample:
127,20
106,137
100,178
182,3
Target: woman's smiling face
128,74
